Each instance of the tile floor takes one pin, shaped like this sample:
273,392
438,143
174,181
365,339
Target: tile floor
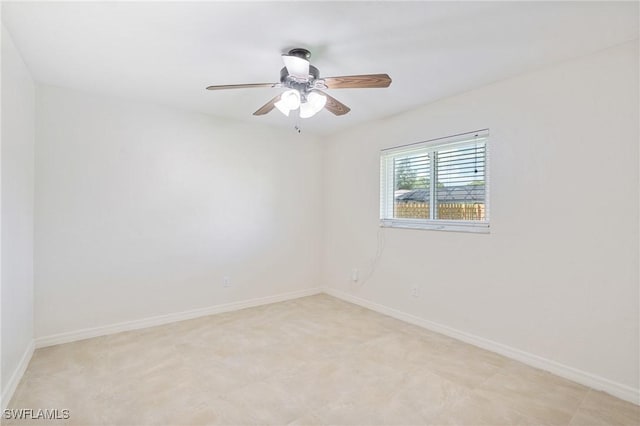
315,360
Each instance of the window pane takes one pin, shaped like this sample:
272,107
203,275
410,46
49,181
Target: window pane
460,191
411,186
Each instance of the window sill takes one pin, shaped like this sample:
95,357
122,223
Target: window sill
437,225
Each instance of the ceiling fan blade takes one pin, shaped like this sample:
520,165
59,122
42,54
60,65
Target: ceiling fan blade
335,106
241,86
358,81
296,66
266,108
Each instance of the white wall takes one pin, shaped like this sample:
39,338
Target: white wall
557,276
18,129
141,210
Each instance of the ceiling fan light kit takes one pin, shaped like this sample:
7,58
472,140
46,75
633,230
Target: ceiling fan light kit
304,87
289,101
315,102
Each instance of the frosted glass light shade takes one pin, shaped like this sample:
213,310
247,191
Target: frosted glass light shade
281,107
291,99
315,102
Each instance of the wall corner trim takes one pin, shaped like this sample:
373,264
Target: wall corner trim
12,384
616,389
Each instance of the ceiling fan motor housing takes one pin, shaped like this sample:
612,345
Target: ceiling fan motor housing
302,84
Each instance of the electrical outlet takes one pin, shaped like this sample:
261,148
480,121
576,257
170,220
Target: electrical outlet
355,275
226,281
414,291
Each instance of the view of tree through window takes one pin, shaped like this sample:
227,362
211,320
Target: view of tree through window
412,172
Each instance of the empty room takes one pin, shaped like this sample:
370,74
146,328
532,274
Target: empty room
320,213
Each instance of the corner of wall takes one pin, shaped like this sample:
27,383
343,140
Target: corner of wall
14,380
16,204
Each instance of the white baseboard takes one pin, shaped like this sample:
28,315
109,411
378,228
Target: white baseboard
88,333
12,384
596,382
619,390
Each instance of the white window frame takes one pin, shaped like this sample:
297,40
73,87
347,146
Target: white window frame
387,190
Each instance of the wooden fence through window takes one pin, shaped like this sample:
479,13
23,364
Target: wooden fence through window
446,211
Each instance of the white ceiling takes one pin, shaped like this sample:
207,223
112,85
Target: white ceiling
168,52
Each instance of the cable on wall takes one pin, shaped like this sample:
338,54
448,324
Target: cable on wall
376,259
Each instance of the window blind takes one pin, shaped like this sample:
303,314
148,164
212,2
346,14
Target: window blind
460,191
437,182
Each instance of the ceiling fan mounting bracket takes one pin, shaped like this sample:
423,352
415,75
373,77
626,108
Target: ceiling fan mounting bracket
300,53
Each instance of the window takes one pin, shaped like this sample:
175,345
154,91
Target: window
440,184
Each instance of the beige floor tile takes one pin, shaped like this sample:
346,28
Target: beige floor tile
354,413
188,415
464,364
191,416
84,354
429,394
84,396
215,379
227,412
256,366
266,403
534,393
480,411
344,395
598,408
410,351
314,360
61,389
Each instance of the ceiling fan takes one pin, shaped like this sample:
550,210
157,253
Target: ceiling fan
304,87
